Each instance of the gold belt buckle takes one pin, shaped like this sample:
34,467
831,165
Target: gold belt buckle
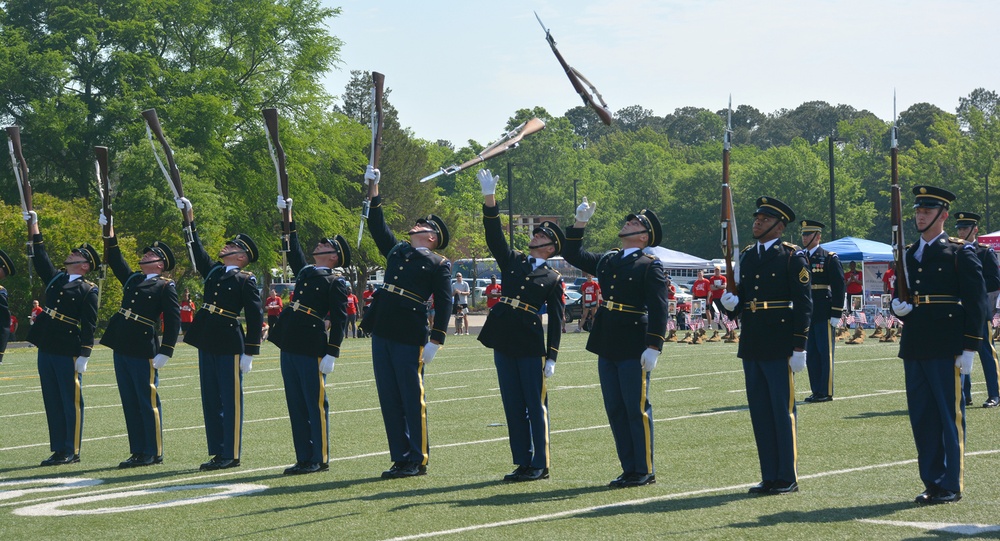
753,306
515,303
128,313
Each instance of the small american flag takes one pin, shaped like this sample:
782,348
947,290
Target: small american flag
672,324
996,319
730,324
862,318
879,320
849,320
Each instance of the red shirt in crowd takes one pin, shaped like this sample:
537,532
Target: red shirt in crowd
352,304
718,285
273,305
493,294
889,280
854,285
591,292
367,296
187,312
701,288
671,292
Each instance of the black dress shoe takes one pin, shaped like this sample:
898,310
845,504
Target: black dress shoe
303,468
400,470
210,465
639,480
516,474
128,462
810,398
924,497
992,402
58,459
534,474
296,469
218,463
784,487
619,482
764,487
944,496
824,398
158,459
391,472
968,401
137,460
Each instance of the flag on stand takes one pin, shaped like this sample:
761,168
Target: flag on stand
849,320
879,320
672,324
862,318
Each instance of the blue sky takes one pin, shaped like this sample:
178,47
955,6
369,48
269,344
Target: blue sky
459,69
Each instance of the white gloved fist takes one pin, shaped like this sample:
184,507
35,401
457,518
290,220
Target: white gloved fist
30,216
81,364
964,362
284,203
797,361
648,359
729,301
585,211
183,203
160,360
487,181
901,308
430,350
372,175
834,322
103,220
246,363
326,364
550,368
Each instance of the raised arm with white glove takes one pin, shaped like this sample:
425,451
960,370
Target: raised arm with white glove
585,211
372,175
103,220
901,308
183,203
284,203
246,363
797,361
487,181
30,216
430,350
730,301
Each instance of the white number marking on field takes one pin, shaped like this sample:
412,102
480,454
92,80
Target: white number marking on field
59,483
56,508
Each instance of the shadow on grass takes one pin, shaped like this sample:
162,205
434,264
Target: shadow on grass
666,505
742,407
877,414
833,515
493,500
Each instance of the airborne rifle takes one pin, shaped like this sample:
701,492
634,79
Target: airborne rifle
23,186
278,157
896,212
104,191
173,176
378,85
579,81
510,140
730,238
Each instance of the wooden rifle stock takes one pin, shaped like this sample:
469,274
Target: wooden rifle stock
578,80
21,176
730,238
173,175
375,154
898,244
278,156
510,140
104,189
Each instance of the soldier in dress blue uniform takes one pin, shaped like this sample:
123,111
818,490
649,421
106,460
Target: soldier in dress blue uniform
943,324
308,349
827,276
774,302
138,353
628,333
514,331
64,335
397,321
225,352
6,269
967,225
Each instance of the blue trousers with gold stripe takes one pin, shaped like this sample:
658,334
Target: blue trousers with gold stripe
937,417
308,407
63,399
771,398
526,406
137,383
991,365
399,378
625,387
222,403
819,357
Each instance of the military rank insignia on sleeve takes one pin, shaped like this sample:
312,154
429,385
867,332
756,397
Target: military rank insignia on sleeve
804,275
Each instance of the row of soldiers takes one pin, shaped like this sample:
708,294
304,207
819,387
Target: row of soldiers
785,302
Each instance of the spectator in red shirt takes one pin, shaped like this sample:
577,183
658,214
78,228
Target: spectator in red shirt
701,289
366,299
718,287
889,280
273,305
855,286
591,292
352,316
35,310
187,311
492,292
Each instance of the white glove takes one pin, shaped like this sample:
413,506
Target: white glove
834,322
246,363
585,210
183,203
372,175
797,361
487,181
30,216
729,301
103,220
430,350
81,364
550,368
284,203
326,364
160,360
648,359
901,308
964,362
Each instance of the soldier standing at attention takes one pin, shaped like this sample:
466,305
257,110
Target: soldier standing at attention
225,353
967,224
513,330
64,336
827,276
627,335
138,354
774,302
943,327
398,324
308,349
6,269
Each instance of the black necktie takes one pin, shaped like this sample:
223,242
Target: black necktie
760,251
531,261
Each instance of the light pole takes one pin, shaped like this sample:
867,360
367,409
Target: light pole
510,203
574,194
833,197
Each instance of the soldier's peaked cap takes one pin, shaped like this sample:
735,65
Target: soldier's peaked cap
773,207
552,231
245,243
164,253
930,197
652,224
437,224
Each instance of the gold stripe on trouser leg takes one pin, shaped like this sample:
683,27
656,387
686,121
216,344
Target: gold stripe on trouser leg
77,397
545,414
322,417
959,398
237,410
423,407
791,416
156,410
830,342
645,422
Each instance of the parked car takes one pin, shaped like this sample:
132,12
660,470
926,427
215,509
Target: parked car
574,305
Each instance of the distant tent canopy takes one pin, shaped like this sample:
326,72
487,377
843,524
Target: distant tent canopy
855,249
992,240
672,259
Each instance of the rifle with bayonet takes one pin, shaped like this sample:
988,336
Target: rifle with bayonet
579,81
278,157
104,191
173,176
896,213
23,185
510,140
378,86
730,238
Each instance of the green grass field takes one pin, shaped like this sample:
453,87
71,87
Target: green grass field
857,468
